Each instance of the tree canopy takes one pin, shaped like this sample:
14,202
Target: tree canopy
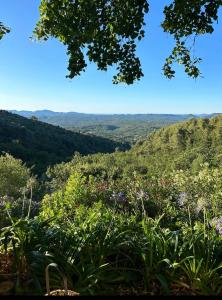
185,20
108,31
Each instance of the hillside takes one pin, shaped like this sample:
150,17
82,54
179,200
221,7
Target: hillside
184,145
119,127
41,144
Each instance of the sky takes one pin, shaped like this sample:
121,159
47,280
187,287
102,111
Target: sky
33,74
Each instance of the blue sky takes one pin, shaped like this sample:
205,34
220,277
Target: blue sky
32,74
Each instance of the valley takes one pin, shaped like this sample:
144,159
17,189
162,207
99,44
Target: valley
132,221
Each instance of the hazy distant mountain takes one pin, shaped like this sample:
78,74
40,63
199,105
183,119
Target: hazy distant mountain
75,117
37,113
207,115
145,117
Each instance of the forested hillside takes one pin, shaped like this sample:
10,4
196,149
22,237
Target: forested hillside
185,145
41,144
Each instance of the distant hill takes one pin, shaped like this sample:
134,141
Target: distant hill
119,127
67,119
41,144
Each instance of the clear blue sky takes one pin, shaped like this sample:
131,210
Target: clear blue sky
32,75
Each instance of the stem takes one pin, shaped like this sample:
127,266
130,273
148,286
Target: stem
30,202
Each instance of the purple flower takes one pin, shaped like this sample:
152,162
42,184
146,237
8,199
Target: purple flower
121,197
113,196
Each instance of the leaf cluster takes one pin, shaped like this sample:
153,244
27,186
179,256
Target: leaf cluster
105,31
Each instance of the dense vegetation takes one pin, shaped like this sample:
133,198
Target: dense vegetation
185,145
108,32
147,221
121,128
41,144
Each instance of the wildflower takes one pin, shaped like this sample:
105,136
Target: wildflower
218,224
121,197
113,196
6,200
182,198
142,195
201,204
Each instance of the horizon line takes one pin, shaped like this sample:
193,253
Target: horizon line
121,113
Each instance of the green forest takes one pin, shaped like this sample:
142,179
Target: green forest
143,221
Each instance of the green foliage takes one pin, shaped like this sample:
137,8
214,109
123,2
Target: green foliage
14,177
115,225
62,204
16,189
181,54
184,146
25,241
3,30
181,145
105,30
108,31
202,190
104,249
185,19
